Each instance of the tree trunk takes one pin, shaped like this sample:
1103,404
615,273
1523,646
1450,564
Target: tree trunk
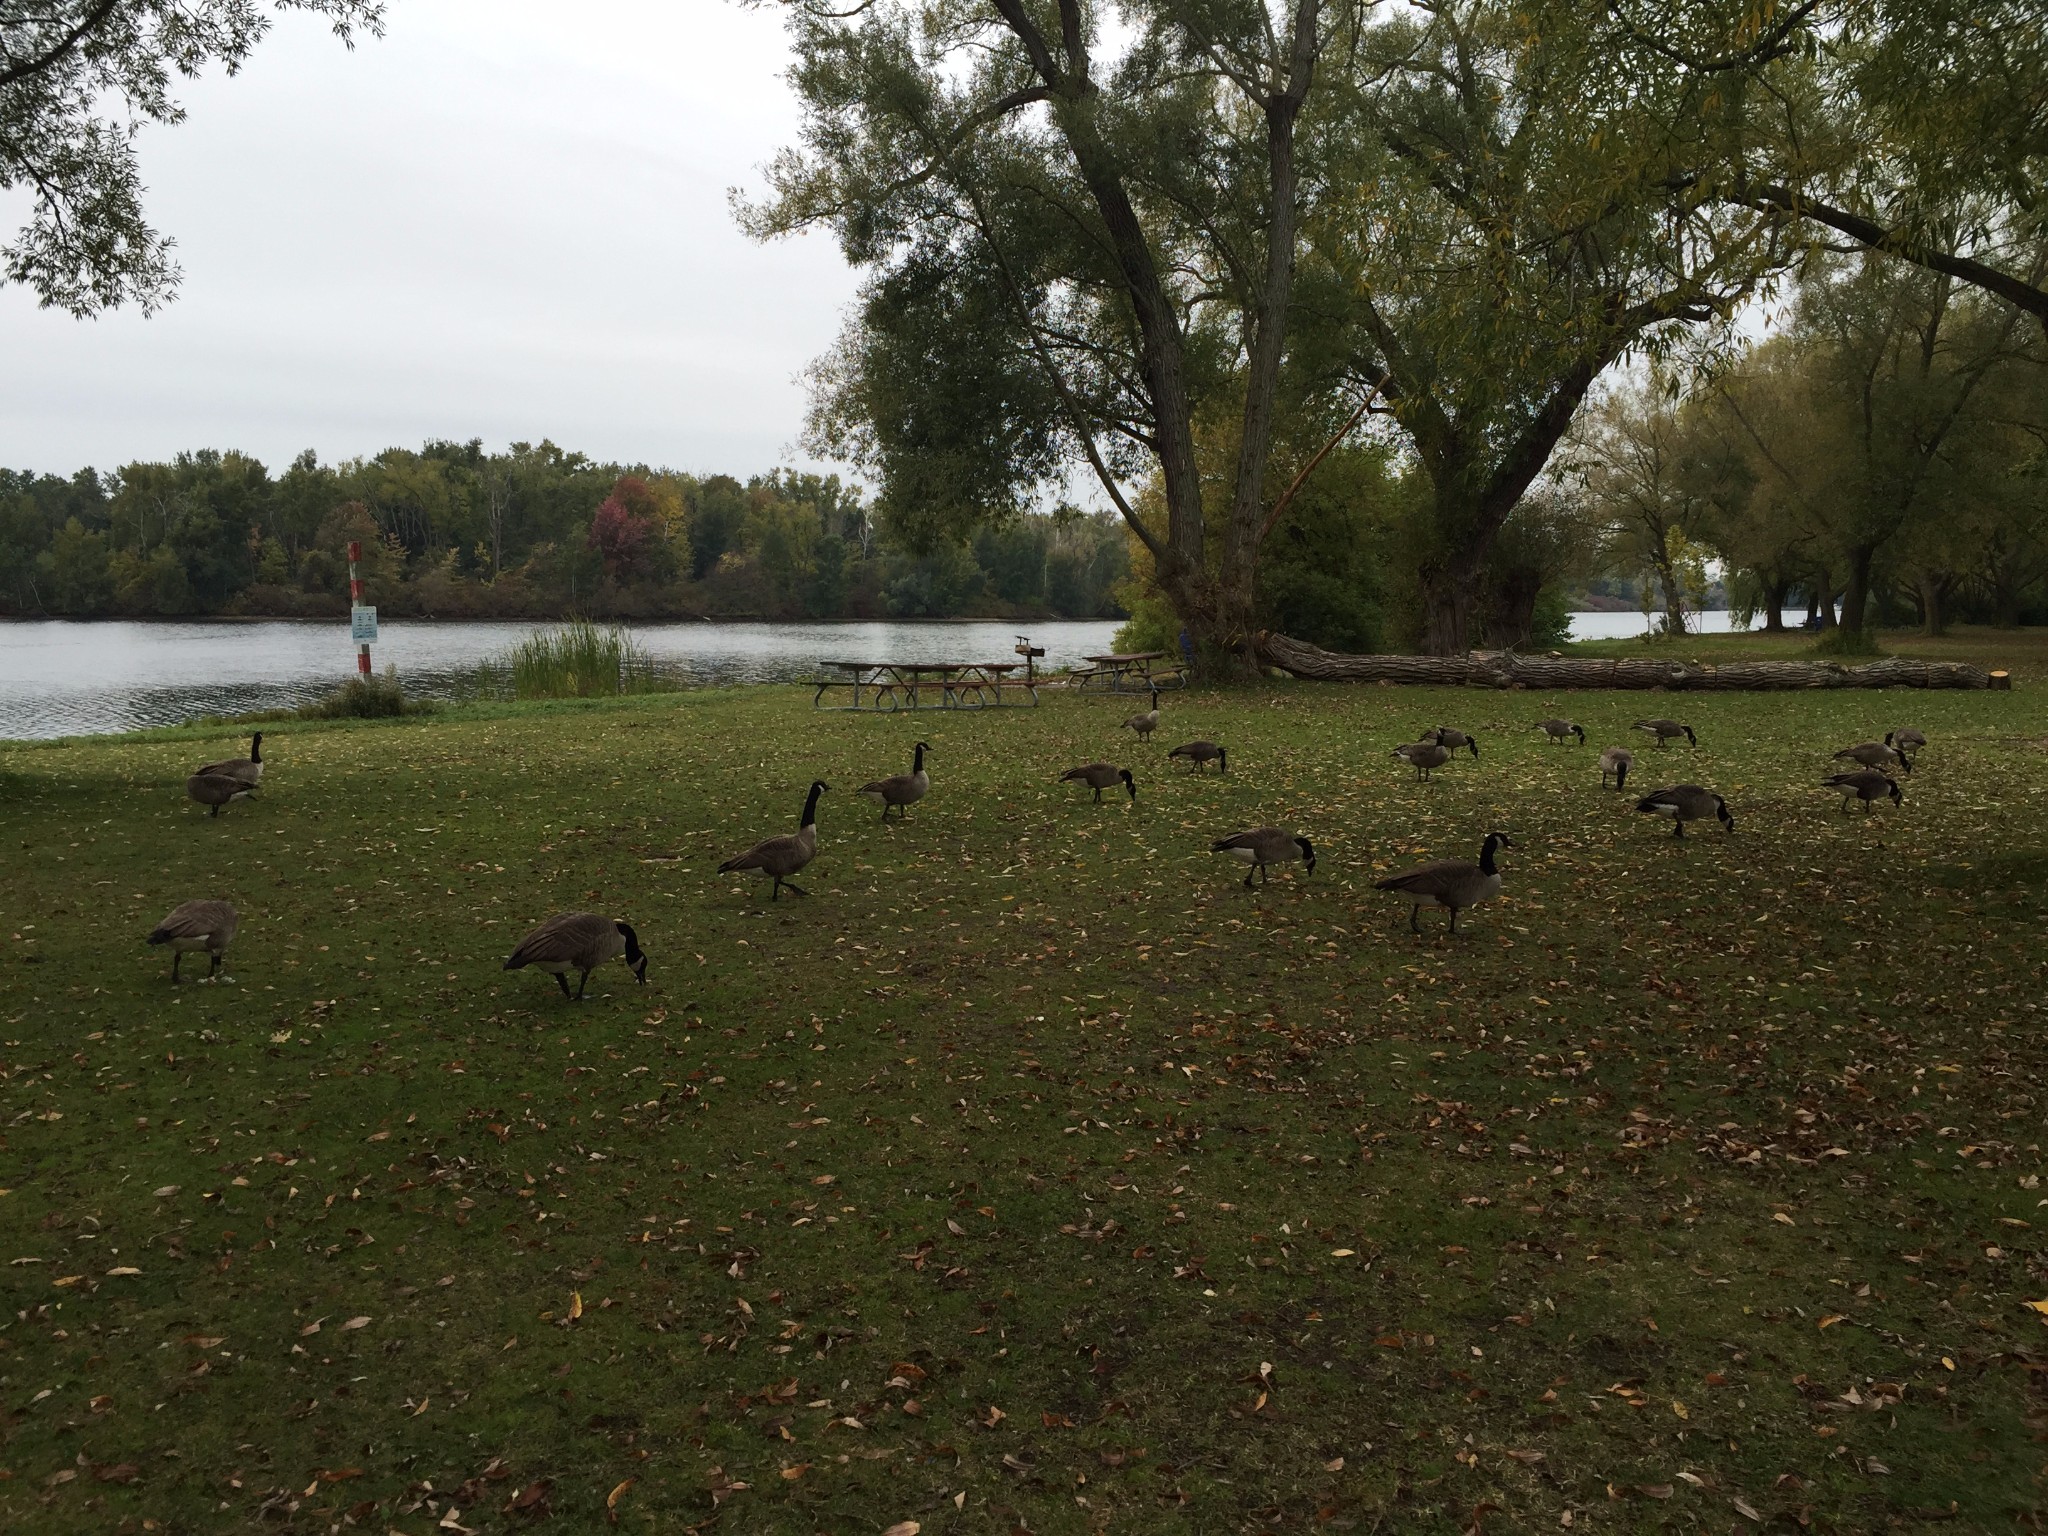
1932,589
1774,604
1449,594
1856,596
1674,596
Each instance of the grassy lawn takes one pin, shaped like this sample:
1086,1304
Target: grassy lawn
1032,1174
2022,652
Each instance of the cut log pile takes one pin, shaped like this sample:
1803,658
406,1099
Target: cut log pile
1505,669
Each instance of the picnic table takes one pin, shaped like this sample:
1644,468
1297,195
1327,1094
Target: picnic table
894,685
1129,672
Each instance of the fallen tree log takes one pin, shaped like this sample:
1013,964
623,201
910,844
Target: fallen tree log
1505,669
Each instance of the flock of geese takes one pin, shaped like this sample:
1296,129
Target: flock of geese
584,941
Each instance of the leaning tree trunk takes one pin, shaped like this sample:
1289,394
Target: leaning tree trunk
1674,597
1856,596
1774,605
1932,589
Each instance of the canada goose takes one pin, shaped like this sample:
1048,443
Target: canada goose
579,941
1452,883
787,853
1615,762
207,925
1146,723
1865,784
248,768
901,790
1874,754
1906,740
1425,755
1200,752
217,789
1686,802
1666,731
1558,730
1266,845
1444,736
1100,776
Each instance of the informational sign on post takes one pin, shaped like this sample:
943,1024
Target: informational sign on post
362,619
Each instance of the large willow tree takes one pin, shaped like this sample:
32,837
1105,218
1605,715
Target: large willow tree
1111,234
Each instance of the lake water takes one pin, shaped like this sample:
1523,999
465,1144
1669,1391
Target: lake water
61,678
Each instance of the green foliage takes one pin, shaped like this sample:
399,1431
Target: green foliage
365,698
80,77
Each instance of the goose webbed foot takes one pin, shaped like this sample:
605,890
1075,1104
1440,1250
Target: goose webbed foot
563,982
791,885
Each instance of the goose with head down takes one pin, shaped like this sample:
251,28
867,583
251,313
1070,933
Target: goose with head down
1686,802
1101,776
1875,754
581,942
1265,846
1424,756
203,924
1615,763
1447,736
1666,731
1200,752
1865,784
1561,731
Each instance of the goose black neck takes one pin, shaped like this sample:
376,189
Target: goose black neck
632,942
256,748
811,806
1486,853
917,759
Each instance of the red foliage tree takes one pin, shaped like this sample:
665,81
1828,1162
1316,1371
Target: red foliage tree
625,529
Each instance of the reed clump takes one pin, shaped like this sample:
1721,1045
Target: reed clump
576,661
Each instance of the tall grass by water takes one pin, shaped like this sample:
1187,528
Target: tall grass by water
576,661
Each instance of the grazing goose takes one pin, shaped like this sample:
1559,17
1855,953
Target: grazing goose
1425,755
901,790
1559,730
1874,754
217,789
1445,736
1100,776
1452,883
1200,752
1686,802
1146,723
249,768
579,941
787,853
1907,740
207,925
1615,763
1266,845
1666,731
1865,784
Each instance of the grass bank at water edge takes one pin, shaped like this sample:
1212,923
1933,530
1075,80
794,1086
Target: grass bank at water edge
1031,1173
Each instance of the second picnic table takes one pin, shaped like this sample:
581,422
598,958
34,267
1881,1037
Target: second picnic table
1128,672
893,685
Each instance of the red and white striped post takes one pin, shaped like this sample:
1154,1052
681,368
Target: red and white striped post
355,603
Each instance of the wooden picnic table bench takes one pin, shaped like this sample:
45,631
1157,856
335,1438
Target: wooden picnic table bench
894,685
1129,672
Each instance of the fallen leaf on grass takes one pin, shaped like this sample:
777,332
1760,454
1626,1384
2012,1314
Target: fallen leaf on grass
1334,1464
611,1503
1747,1510
1655,1490
903,1528
791,1474
575,1305
1527,1458
1832,1318
120,1472
354,1323
124,1269
167,1191
2038,1306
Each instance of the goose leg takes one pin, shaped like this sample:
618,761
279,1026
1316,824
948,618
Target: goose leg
214,812
792,885
775,890
214,956
1248,877
1678,829
563,982
177,959
1454,922
1098,797
1415,918
582,982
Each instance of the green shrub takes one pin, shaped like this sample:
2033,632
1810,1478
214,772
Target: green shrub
1847,642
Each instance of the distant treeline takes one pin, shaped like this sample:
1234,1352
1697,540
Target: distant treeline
451,531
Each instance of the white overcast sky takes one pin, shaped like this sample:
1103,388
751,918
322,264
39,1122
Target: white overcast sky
507,219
